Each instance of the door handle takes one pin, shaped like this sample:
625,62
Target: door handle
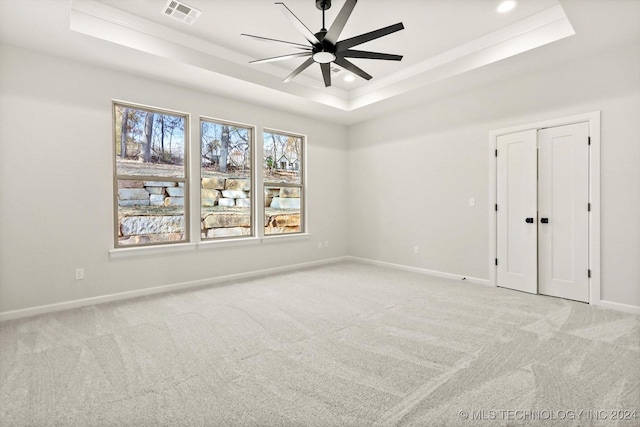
529,220
544,220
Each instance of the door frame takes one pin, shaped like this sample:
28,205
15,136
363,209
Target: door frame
593,118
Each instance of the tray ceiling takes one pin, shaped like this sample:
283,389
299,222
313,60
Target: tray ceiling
446,44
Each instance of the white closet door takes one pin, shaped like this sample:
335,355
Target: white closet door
563,196
517,243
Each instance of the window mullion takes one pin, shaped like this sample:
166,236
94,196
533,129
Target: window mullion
259,196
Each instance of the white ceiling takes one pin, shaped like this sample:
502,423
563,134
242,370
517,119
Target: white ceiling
448,45
425,23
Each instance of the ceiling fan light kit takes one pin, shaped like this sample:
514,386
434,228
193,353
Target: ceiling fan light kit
324,47
324,57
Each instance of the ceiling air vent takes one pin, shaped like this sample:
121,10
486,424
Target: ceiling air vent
181,11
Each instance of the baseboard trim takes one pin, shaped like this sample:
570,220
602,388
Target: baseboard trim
633,309
51,308
424,271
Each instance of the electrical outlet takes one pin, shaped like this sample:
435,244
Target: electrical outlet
416,250
472,202
326,243
79,273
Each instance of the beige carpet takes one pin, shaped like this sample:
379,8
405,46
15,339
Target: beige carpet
345,344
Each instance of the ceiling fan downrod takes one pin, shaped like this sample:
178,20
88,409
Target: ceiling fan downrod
321,54
323,5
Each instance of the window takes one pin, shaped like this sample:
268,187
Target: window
283,166
151,179
226,177
150,176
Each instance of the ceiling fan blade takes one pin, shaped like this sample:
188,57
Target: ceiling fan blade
266,39
363,38
326,74
352,67
340,21
369,55
299,25
280,58
298,70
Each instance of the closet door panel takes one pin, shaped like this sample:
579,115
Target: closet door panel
563,196
516,216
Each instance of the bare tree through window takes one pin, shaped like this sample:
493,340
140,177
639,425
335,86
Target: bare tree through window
150,176
226,177
282,166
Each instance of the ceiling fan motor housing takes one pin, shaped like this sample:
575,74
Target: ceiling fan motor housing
325,52
325,45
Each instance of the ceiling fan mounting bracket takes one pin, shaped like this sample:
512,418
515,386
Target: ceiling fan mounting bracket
323,4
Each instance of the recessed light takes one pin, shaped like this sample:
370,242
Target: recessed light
506,6
349,78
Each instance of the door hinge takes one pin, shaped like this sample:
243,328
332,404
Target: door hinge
496,207
496,153
589,273
589,140
496,261
589,207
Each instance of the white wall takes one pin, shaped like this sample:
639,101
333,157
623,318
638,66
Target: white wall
411,174
406,181
56,184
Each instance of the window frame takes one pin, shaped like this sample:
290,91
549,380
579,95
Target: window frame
302,185
253,200
117,177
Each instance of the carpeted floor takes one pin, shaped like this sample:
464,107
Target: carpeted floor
345,344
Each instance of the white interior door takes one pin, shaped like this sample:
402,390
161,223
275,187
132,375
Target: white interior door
517,243
563,196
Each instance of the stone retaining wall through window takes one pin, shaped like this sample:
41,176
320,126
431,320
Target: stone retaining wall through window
152,211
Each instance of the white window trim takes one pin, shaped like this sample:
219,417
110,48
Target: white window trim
303,185
120,253
151,250
253,147
186,178
193,169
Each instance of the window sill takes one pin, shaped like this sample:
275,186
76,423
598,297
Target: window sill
207,245
286,237
151,250
225,243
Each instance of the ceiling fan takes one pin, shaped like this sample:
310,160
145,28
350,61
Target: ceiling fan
325,47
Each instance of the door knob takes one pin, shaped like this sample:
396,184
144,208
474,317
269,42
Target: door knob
544,220
529,220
